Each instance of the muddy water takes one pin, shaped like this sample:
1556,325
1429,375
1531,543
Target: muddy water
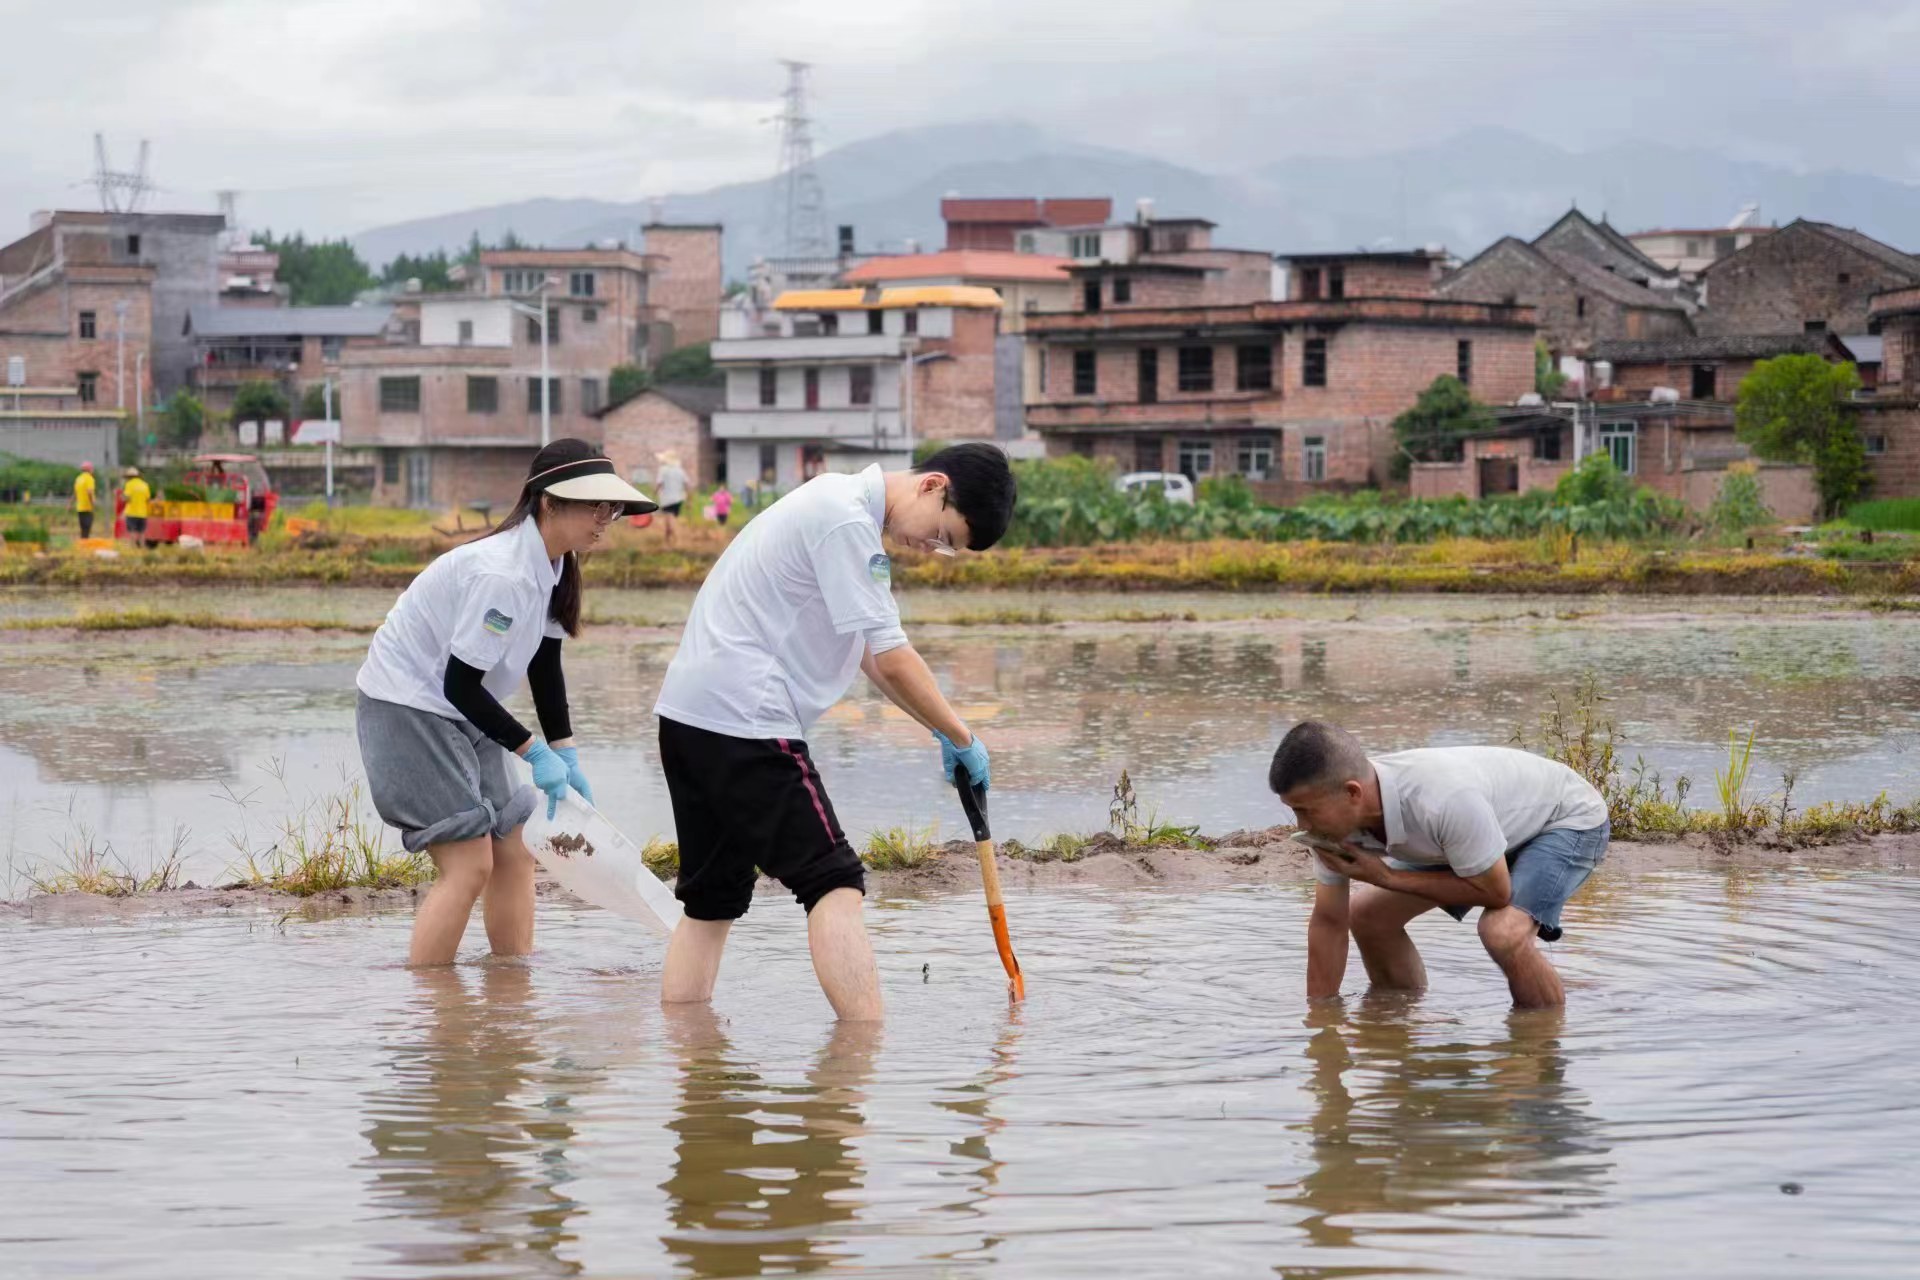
144,741
239,1097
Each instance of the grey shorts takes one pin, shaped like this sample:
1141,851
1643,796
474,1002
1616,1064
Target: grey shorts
1549,869
436,780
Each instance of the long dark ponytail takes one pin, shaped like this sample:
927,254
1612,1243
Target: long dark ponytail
564,605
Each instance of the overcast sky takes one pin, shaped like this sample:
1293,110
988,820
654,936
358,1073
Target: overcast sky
338,115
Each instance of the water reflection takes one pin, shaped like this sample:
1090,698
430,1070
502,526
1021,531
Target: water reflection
766,1176
1411,1124
470,1143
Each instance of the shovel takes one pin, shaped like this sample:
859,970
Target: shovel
974,801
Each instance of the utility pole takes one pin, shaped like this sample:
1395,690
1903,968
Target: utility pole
139,396
546,378
326,400
120,345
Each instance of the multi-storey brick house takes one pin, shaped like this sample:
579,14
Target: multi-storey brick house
1296,395
1890,419
994,223
1808,276
849,377
674,418
686,280
96,301
291,347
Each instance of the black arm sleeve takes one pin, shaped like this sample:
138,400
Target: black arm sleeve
550,690
483,711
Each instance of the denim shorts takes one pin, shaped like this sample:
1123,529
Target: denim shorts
1549,869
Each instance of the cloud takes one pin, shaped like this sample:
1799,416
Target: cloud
339,114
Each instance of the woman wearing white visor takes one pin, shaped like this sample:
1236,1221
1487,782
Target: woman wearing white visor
433,736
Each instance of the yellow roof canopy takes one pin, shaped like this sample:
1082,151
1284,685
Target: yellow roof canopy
944,295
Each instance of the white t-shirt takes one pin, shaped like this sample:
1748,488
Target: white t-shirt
779,627
1465,807
673,484
485,603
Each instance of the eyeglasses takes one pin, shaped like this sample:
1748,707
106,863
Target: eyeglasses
940,544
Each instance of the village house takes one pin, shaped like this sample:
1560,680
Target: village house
1890,418
1295,395
1688,252
994,223
1586,282
291,347
666,418
849,377
1807,277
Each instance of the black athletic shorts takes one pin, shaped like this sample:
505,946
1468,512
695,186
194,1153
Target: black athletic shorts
670,508
746,803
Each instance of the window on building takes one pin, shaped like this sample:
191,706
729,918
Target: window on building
330,349
829,324
1309,283
1147,364
876,322
1122,291
589,315
1722,246
1313,459
810,379
389,466
1693,249
89,387
1084,246
1253,368
1026,242
1043,373
1815,326
1176,242
1196,368
1705,381
1846,278
89,325
466,333
1090,295
910,322
769,387
1082,446
553,396
806,326
1336,282
1086,380
1621,441
1313,362
1196,459
1875,445
133,246
1546,445
1463,361
399,395
580,284
1149,454
1580,308
590,395
860,384
1255,457
483,394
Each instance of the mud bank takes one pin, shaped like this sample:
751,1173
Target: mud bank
1242,858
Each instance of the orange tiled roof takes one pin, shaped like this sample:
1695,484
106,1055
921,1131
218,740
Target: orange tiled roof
966,264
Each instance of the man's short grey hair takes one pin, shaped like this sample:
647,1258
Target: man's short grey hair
1315,753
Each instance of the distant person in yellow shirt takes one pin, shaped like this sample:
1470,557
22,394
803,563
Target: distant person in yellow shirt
83,486
137,495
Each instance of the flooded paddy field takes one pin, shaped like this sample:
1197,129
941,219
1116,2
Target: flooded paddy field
247,1095
147,741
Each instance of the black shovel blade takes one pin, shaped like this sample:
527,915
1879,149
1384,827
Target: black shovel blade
974,800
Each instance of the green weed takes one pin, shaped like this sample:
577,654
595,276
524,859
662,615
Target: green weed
900,848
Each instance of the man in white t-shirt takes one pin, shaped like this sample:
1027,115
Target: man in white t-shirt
1512,833
798,603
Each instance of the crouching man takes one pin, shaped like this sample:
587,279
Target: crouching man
1507,831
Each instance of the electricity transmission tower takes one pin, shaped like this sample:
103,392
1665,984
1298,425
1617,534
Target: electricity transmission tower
120,191
800,206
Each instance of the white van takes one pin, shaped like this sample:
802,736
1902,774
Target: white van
1171,484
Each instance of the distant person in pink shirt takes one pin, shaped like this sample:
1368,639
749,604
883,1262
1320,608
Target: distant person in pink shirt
722,505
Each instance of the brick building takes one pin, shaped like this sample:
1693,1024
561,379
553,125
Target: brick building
1890,420
995,223
1296,395
854,376
668,418
291,347
1586,282
1706,367
96,301
1400,273
1688,252
687,280
1806,277
1154,262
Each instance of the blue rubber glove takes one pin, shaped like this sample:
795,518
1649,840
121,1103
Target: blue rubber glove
549,773
575,779
973,755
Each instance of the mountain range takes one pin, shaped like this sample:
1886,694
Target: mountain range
1464,193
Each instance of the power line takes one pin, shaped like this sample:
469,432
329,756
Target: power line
120,191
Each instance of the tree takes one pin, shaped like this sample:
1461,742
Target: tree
686,364
433,270
321,272
1444,415
182,420
1596,480
260,401
1740,504
313,402
1794,409
625,382
1547,379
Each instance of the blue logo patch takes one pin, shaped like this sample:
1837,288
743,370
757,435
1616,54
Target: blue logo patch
497,622
880,569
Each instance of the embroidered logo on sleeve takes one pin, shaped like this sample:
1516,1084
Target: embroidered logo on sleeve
497,622
880,569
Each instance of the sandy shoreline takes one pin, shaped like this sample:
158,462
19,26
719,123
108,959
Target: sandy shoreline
1242,858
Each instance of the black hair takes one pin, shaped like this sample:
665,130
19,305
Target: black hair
563,606
1315,752
980,486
